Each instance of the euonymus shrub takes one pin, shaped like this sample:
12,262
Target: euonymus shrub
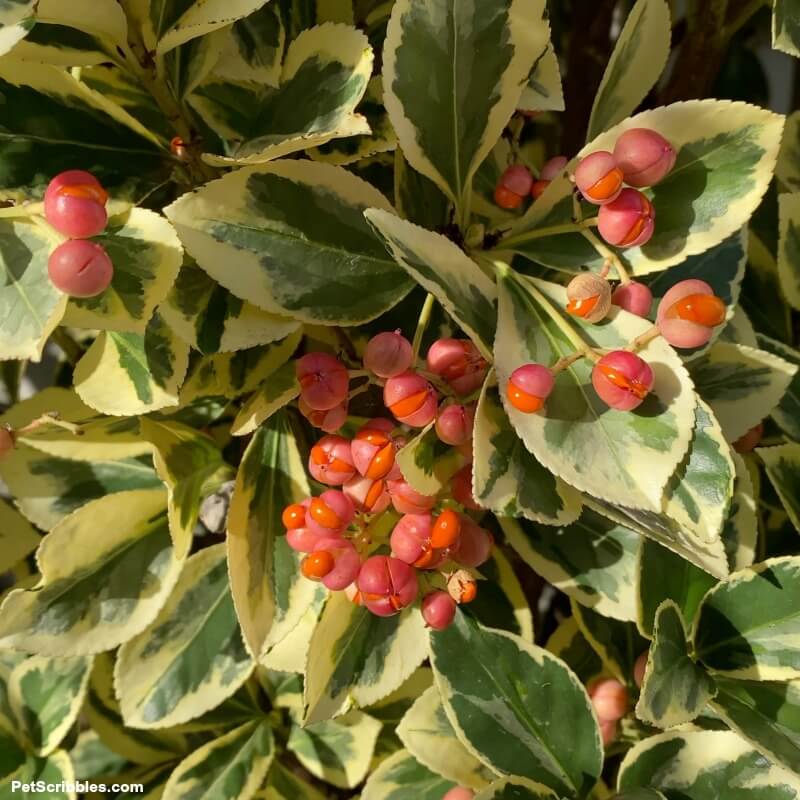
354,363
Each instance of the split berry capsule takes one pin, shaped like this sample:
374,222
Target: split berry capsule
622,379
514,186
628,221
80,268
324,381
329,421
368,494
329,513
528,387
331,461
599,178
644,156
446,529
407,500
373,450
75,204
387,585
334,562
459,363
411,399
589,297
411,537
461,586
689,312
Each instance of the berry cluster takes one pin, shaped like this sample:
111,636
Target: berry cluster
75,205
686,317
435,542
517,183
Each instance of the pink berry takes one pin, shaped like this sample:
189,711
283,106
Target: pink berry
529,386
553,168
346,566
454,424
75,204
411,399
459,793
634,297
411,537
750,440
304,540
407,500
368,494
608,732
330,513
518,179
474,544
387,585
323,380
629,221
388,354
331,461
459,363
538,188
689,312
461,488
622,379
639,669
80,268
328,421
644,156
599,178
374,450
610,700
438,610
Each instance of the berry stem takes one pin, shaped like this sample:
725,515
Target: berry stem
51,418
568,361
422,324
643,339
608,254
549,230
22,210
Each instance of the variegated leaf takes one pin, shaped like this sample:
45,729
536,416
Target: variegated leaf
418,199
30,306
516,788
675,689
618,643
787,170
270,594
357,657
699,765
639,57
622,457
90,757
543,90
95,592
764,713
277,391
726,154
132,744
507,478
337,751
740,533
124,374
592,560
47,488
191,657
229,768
427,463
747,625
722,267
573,648
504,698
93,133
742,385
212,320
789,245
427,734
739,329
665,576
401,776
441,267
12,755
46,695
146,254
186,461
16,20
783,468
283,784
430,54
233,374
787,412
253,232
786,27
53,771
323,78
18,537
761,287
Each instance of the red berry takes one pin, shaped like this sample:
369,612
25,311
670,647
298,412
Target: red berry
529,386
538,188
387,585
454,424
80,268
629,221
438,610
388,354
518,179
461,488
459,363
317,565
474,544
324,381
506,199
608,732
634,297
644,156
610,700
751,440
75,204
411,399
599,178
294,516
688,313
622,379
